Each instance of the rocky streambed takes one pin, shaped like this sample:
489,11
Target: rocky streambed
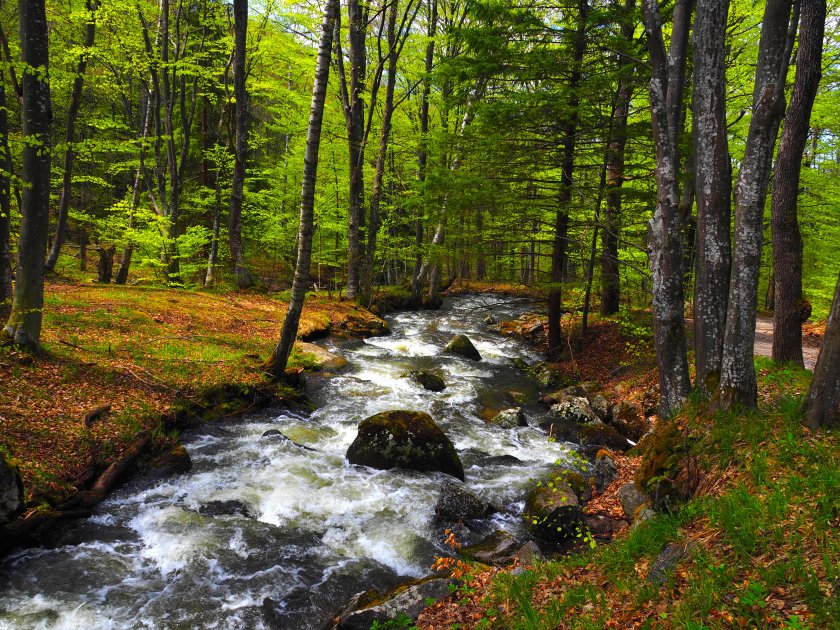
275,527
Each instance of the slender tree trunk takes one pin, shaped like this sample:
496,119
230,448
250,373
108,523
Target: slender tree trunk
610,279
561,220
791,310
379,171
70,137
738,380
242,274
665,230
357,12
280,357
712,176
210,276
822,405
24,324
5,208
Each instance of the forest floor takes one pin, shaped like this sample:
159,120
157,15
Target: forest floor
138,350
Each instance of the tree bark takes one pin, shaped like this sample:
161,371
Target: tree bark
6,167
738,380
279,359
561,220
713,183
791,310
242,274
70,137
665,231
822,405
24,324
610,278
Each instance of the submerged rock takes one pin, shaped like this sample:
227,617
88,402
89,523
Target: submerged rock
509,419
461,346
404,439
456,503
427,380
231,507
11,491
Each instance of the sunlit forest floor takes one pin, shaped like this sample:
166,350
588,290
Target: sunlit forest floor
138,350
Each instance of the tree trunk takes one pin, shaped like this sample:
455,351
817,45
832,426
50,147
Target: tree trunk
354,109
561,220
24,324
379,172
242,274
712,176
105,267
210,276
665,232
610,278
790,306
738,380
822,405
279,359
6,167
70,137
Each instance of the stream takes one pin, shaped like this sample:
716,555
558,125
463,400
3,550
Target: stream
316,530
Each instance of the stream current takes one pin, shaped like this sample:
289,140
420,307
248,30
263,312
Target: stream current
317,529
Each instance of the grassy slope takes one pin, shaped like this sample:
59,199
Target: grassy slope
762,534
138,349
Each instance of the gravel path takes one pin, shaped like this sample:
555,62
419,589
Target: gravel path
764,343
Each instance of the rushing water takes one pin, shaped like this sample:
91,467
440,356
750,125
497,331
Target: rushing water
317,529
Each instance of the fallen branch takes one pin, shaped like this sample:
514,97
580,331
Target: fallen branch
112,474
95,414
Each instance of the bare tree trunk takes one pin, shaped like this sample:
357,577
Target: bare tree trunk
822,405
791,310
665,231
279,359
561,220
712,175
610,279
70,137
242,274
210,276
24,324
6,166
738,380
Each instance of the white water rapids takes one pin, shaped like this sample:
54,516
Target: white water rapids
318,529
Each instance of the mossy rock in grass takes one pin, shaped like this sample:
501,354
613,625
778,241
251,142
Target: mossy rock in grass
461,346
663,472
427,380
404,439
552,512
11,491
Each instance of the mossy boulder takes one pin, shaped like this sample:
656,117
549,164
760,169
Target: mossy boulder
603,435
663,473
509,419
11,491
427,380
404,439
574,409
316,358
552,511
461,346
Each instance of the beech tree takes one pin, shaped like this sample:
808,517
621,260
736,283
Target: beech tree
791,310
24,324
280,357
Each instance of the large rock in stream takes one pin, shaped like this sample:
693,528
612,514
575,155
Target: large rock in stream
404,439
461,346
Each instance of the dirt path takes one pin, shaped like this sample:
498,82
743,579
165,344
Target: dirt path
764,343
